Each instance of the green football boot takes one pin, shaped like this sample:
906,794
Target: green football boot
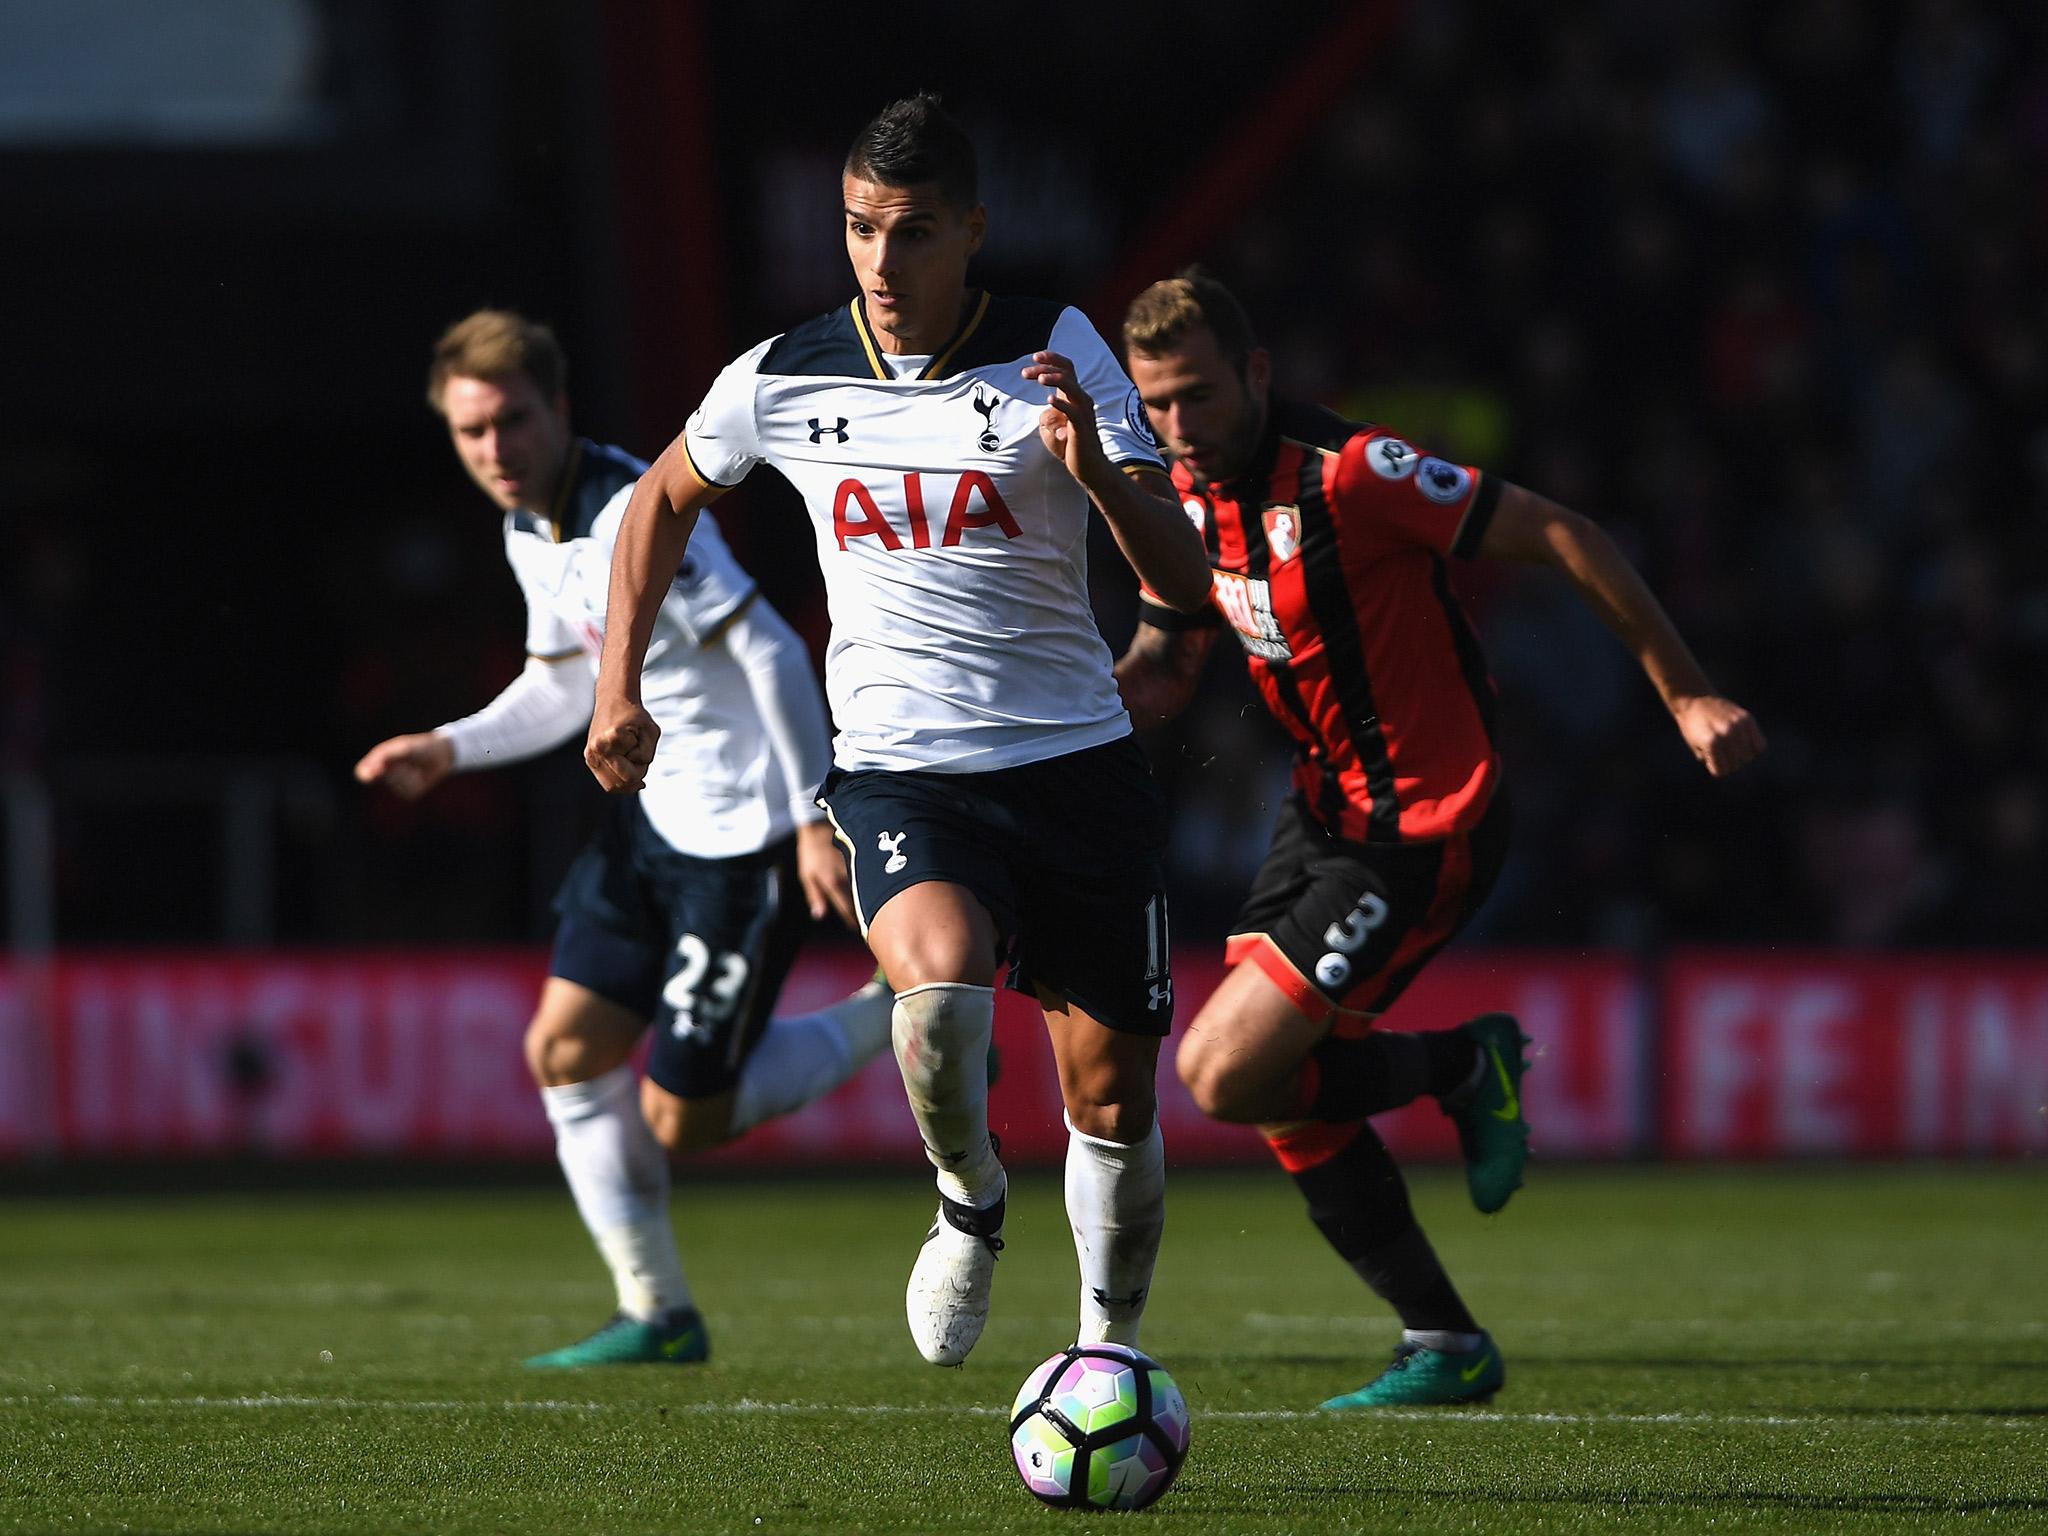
678,1338
1421,1378
1492,1133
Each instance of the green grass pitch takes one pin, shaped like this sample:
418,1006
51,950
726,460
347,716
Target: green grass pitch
1727,1351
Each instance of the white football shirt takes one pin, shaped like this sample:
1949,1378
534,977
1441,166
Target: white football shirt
953,544
729,775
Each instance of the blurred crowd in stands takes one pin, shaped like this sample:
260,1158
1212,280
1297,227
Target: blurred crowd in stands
1760,288
1757,285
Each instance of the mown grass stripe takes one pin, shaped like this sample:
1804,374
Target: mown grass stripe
975,1410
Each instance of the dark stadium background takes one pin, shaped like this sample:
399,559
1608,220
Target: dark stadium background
1759,286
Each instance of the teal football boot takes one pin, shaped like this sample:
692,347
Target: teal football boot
676,1338
1492,1132
1421,1378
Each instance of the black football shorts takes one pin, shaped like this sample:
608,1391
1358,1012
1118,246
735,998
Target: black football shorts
1066,854
1342,928
699,946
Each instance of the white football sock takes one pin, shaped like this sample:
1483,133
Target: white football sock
618,1174
942,1034
801,1059
1116,1203
1445,1340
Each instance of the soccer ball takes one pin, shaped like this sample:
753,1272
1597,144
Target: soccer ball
1099,1426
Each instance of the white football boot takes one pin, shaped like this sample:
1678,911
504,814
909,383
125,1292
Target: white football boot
947,1302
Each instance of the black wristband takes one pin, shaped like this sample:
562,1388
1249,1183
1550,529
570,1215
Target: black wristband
1173,621
1472,528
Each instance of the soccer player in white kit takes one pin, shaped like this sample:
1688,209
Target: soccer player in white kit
986,788
688,905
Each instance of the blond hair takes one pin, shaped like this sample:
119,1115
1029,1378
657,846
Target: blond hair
1163,314
494,344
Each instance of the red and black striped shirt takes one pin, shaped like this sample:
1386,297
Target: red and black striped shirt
1328,555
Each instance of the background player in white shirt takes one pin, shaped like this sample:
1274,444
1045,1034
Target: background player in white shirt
685,907
986,789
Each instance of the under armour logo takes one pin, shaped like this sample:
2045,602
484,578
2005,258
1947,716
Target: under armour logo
989,442
890,845
837,429
1162,995
1110,1303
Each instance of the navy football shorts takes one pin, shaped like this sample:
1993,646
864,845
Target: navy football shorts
698,946
1066,854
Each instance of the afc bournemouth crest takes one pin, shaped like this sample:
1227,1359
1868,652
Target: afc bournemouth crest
1283,532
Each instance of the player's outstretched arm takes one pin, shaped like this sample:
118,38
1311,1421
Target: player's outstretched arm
1158,673
546,704
1530,528
408,765
652,537
1141,510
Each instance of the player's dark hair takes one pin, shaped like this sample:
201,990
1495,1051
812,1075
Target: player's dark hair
1164,313
915,141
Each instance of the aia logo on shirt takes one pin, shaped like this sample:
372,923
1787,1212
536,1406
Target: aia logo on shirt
860,511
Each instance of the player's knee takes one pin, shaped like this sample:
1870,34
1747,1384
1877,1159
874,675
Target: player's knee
1217,1080
1202,1071
574,1045
934,933
1124,1120
680,1133
557,1054
1111,1099
920,960
686,1125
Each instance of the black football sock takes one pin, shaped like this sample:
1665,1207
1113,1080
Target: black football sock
1408,1276
1359,1201
1384,1070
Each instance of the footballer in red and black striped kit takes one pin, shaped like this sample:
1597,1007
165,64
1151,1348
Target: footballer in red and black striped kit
1328,542
1327,552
